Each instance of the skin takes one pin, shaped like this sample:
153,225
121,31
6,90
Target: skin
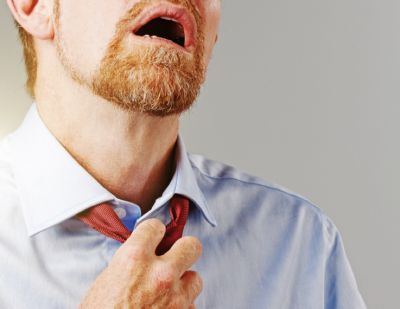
138,148
136,278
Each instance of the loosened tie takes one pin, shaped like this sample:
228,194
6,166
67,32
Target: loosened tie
103,219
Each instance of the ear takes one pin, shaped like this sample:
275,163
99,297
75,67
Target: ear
35,16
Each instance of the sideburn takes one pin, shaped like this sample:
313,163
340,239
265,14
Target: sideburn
30,59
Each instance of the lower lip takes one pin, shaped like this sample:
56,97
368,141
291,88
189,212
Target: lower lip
161,41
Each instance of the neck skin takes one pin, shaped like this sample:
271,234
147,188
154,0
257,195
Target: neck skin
130,154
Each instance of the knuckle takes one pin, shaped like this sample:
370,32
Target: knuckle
176,303
197,282
194,284
164,277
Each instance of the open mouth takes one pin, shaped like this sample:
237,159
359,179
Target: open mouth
164,28
169,24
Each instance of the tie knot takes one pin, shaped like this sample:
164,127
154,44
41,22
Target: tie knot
178,210
103,219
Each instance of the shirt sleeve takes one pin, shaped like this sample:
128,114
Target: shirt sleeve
341,290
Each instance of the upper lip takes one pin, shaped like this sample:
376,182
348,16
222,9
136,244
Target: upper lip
175,12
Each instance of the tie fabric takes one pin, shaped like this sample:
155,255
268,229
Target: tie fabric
103,219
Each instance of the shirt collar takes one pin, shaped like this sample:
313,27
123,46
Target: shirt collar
53,186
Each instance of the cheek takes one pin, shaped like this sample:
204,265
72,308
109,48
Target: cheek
86,29
212,14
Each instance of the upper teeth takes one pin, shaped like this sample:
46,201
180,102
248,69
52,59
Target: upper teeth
168,18
148,36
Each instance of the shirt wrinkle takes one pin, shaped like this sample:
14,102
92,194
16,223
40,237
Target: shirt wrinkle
270,249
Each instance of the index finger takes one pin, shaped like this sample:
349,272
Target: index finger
148,234
183,254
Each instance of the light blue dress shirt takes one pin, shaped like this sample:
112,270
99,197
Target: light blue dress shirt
263,246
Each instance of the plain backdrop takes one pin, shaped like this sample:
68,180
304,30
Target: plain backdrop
305,94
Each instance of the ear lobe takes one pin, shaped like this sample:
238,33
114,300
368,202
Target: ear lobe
34,16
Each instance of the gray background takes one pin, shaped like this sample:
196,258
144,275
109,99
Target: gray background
304,94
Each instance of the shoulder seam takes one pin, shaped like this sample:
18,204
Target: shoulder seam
319,211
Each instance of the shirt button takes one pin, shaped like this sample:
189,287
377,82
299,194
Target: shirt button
121,213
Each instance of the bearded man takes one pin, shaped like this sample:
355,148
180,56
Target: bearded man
101,205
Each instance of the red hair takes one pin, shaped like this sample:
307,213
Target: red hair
30,59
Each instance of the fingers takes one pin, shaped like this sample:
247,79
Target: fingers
147,235
183,254
191,285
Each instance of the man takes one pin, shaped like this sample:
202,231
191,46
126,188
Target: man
97,170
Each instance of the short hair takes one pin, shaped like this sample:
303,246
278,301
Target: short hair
30,58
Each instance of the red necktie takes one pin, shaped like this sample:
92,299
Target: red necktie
103,219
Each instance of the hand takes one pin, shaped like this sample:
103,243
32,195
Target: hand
137,278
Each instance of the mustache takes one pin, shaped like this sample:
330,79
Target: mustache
136,10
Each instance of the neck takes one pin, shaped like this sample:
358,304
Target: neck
130,154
